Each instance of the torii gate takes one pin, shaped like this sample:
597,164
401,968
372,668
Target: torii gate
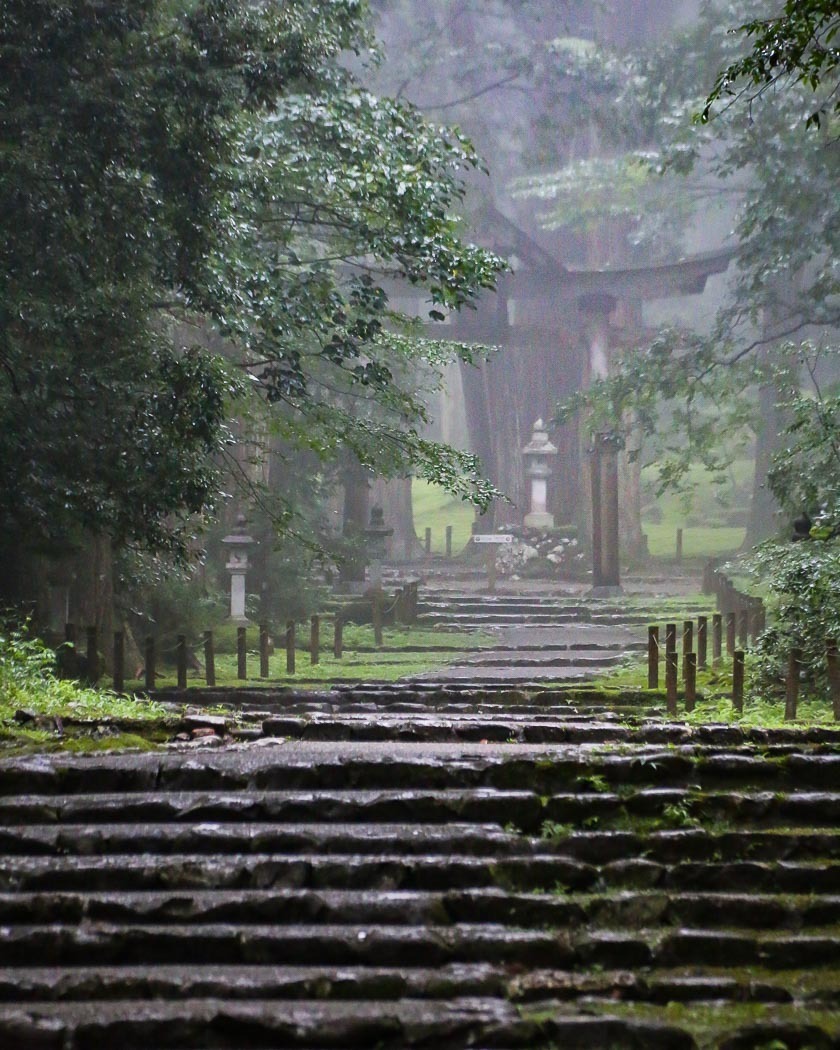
541,310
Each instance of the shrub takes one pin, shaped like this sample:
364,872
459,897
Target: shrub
804,581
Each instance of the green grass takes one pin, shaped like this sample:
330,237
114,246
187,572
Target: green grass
704,518
361,660
356,636
380,666
698,542
435,508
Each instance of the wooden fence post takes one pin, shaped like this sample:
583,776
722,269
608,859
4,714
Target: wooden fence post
690,674
717,638
730,633
119,661
315,639
679,550
209,659
653,657
743,627
338,637
792,684
671,681
428,541
241,653
149,669
290,647
738,680
448,541
702,642
264,640
670,638
687,640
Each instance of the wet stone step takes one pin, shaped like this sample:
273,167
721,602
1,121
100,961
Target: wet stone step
25,984
454,980
107,944
811,809
242,907
696,843
251,837
657,986
640,873
260,871
315,766
622,910
754,911
229,1024
523,809
195,1024
302,945
453,728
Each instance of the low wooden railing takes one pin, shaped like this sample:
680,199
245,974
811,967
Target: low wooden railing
739,621
88,666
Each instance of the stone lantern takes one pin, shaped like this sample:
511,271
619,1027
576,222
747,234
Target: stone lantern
377,534
538,453
238,543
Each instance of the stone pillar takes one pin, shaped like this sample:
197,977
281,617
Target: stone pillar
605,544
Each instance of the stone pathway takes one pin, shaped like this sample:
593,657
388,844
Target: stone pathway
474,862
648,886
541,638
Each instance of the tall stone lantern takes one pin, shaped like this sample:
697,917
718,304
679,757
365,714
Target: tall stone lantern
377,534
538,453
238,543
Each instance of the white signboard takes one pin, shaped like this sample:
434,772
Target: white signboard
493,537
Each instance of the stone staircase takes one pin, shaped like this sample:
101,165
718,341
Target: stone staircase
472,610
384,869
541,638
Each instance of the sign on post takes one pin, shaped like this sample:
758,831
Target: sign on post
493,540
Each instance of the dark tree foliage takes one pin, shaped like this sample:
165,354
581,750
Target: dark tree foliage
797,46
212,165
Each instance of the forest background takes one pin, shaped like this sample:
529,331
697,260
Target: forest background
206,204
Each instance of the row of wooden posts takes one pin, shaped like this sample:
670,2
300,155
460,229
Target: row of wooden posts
404,607
729,627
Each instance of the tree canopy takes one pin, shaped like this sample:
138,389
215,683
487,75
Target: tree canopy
210,167
794,47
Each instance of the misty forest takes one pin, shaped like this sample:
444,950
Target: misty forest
420,498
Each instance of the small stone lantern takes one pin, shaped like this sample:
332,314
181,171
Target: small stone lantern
238,543
538,453
377,533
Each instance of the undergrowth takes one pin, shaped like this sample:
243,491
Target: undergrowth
28,681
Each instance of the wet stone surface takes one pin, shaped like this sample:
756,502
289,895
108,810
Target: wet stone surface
475,861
